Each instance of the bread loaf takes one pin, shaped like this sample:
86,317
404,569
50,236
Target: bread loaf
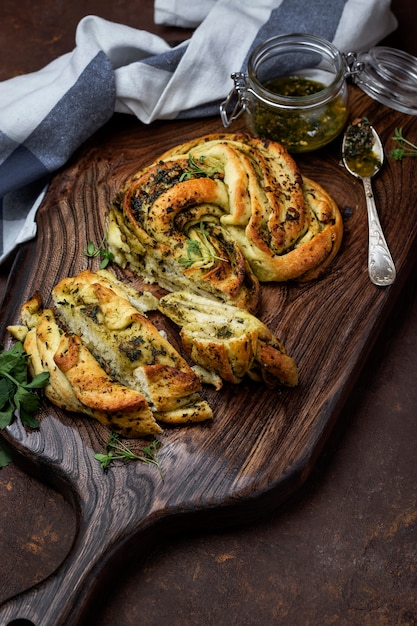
217,215
106,359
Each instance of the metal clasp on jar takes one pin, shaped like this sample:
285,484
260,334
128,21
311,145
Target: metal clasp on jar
354,67
233,106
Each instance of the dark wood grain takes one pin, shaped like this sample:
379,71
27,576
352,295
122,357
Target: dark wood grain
262,444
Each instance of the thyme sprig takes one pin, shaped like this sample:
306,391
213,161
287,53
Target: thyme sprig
198,249
197,167
405,147
117,450
101,250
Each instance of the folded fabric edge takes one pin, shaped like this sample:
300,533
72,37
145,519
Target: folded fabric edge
29,227
182,13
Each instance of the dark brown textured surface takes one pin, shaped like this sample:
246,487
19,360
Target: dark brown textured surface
342,552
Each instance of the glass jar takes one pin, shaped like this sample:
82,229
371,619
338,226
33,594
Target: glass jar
294,92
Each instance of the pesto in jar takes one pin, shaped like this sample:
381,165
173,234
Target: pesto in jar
299,127
294,86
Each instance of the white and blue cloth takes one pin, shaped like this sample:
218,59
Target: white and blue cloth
46,115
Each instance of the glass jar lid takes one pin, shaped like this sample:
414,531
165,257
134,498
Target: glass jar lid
387,75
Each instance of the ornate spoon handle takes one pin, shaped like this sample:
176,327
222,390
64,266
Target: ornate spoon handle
381,267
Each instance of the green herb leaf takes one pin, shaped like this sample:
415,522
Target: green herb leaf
91,250
6,416
6,389
405,147
104,459
101,250
117,450
39,382
106,258
17,392
196,168
199,249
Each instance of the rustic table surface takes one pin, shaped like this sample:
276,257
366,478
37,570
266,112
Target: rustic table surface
341,550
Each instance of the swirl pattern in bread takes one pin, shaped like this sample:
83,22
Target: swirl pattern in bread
217,215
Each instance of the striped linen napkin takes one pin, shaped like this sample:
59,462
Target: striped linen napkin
46,115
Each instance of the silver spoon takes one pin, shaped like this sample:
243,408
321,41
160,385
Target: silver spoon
363,156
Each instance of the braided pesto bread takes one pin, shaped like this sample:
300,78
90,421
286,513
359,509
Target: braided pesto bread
229,341
106,359
218,215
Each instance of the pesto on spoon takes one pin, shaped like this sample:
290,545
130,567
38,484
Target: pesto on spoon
363,157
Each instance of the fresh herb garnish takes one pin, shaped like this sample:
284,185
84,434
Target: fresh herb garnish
193,250
102,251
117,450
199,249
16,390
197,167
405,147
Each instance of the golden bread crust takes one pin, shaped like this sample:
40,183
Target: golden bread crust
110,362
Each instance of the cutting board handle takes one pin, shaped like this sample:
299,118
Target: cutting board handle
62,598
112,508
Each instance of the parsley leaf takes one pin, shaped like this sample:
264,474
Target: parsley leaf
5,457
16,390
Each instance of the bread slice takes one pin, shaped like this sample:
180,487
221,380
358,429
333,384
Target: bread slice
231,342
77,382
129,347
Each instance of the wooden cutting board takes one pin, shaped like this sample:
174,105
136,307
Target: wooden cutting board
262,444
